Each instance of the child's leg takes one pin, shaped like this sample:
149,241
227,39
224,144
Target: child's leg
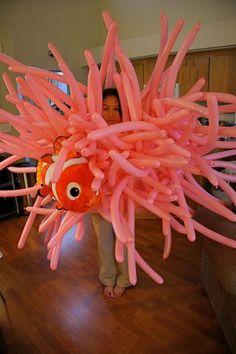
123,273
122,281
107,262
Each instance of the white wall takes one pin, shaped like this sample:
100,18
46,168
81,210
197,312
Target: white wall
72,25
137,18
26,26
139,31
7,46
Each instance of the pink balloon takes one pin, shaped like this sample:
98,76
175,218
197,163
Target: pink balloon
18,192
134,113
182,202
158,185
53,116
215,236
108,49
119,251
127,166
48,234
226,176
225,144
142,136
55,256
155,210
80,230
166,229
28,224
49,220
121,234
20,68
207,201
164,31
89,150
41,211
213,127
66,71
94,85
206,169
13,97
227,131
178,60
134,84
154,275
122,96
221,96
95,170
148,161
155,79
22,169
118,128
198,85
8,161
69,220
132,263
227,189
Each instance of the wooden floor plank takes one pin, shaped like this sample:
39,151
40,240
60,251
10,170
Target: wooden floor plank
64,311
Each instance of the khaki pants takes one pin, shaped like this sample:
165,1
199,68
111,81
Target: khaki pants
111,272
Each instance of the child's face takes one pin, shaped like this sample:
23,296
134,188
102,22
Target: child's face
110,110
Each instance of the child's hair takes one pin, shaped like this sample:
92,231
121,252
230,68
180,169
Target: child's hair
111,91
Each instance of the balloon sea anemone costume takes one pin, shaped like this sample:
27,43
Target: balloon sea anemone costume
148,160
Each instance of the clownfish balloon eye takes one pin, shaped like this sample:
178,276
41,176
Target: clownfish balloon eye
73,190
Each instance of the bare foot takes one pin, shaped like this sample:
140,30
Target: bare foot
118,291
108,291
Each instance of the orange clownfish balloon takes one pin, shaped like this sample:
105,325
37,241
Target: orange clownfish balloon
73,189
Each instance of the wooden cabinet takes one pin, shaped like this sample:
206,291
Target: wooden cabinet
222,73
148,68
145,67
139,69
216,66
192,69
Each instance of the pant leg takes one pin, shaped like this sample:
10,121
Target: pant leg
106,251
123,273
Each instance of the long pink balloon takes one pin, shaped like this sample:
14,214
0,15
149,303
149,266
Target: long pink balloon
149,161
28,225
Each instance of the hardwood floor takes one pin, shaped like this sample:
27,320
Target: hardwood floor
64,311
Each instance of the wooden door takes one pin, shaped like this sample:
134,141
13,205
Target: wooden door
222,77
138,67
193,68
216,66
149,65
